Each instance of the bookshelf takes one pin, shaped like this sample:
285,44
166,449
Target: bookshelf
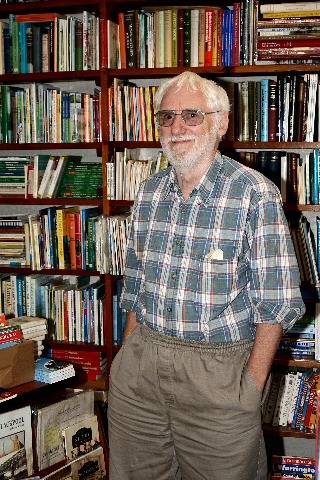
103,77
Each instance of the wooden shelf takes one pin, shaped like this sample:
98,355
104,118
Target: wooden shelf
243,70
285,432
48,271
301,208
50,201
75,345
50,76
226,144
51,146
294,362
50,6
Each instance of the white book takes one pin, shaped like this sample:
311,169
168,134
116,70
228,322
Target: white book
285,402
45,181
289,7
317,331
276,413
194,38
56,177
284,177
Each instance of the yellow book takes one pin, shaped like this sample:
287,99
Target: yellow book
309,13
174,38
61,232
168,38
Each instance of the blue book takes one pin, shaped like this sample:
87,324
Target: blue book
315,199
7,50
318,243
23,47
264,109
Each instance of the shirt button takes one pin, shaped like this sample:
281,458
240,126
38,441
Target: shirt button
169,309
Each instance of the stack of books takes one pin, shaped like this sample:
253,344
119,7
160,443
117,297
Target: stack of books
13,237
288,32
289,467
92,364
33,328
12,175
10,336
48,370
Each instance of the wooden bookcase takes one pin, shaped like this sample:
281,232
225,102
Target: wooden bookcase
104,77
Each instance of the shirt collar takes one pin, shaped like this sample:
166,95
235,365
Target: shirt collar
206,184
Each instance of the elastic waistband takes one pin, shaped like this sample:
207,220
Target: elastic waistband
173,342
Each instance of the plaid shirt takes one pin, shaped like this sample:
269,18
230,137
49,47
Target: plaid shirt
210,267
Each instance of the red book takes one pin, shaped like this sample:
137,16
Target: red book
122,41
180,36
272,111
236,35
208,38
71,233
78,238
284,43
10,335
103,43
219,36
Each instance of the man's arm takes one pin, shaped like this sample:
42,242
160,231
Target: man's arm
264,349
131,324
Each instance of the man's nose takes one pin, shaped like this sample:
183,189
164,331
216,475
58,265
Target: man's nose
178,124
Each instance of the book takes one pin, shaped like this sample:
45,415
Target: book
50,371
16,444
90,467
52,419
81,437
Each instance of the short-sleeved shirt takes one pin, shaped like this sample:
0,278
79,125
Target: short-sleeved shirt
210,267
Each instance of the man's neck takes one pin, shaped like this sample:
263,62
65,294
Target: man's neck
190,179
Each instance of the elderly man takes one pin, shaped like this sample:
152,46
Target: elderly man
211,282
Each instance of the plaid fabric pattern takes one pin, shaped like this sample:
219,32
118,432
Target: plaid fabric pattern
210,267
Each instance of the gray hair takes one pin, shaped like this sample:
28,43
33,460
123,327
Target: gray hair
215,95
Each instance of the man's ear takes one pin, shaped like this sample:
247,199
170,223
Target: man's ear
223,123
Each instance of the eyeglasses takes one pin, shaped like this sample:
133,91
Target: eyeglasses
165,118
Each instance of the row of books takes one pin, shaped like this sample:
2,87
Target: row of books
288,32
68,417
284,110
295,174
93,364
49,42
303,339
66,238
174,37
307,248
292,467
128,168
131,112
292,400
119,316
49,176
73,309
38,113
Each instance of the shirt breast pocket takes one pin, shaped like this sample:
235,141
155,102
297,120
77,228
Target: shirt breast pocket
217,281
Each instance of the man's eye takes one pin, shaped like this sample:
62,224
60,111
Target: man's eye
191,114
168,116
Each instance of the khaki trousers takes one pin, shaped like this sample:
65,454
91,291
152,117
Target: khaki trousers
184,409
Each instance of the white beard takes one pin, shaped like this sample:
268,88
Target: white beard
204,146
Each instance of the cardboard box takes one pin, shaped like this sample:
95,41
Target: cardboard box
17,364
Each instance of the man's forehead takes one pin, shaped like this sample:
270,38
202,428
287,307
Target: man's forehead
183,97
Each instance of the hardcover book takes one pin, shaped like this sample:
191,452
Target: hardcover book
16,444
82,437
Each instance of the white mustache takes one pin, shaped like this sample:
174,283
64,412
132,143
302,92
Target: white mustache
178,138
